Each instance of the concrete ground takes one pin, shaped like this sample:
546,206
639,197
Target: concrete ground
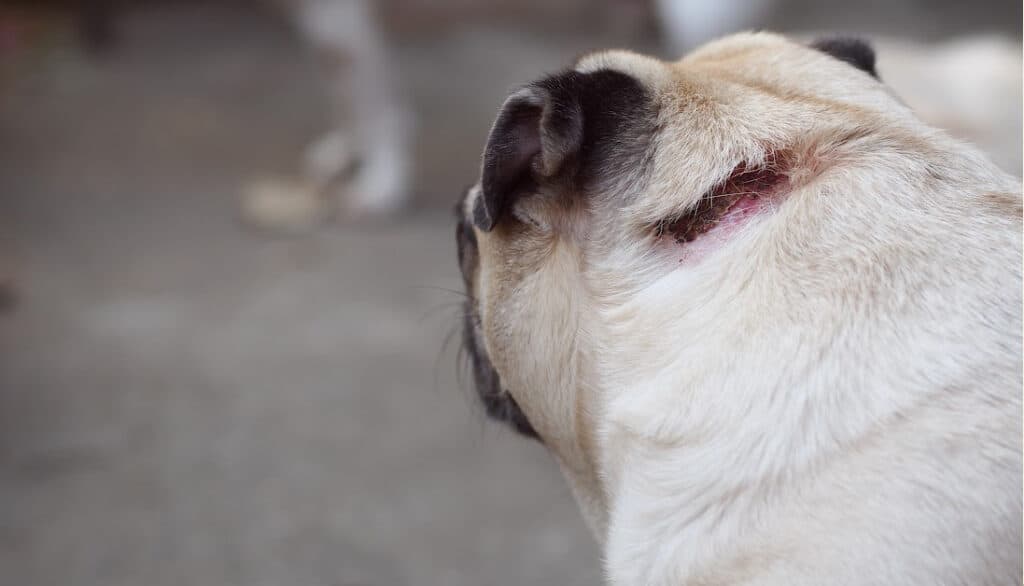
183,401
186,402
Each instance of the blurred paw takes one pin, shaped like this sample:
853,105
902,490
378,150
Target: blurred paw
284,205
379,187
328,159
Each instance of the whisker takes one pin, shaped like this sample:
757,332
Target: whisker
444,350
462,365
444,289
457,306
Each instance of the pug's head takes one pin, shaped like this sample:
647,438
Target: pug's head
627,203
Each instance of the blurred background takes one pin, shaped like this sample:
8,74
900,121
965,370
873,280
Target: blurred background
227,274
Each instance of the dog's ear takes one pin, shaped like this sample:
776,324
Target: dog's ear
534,135
856,52
564,128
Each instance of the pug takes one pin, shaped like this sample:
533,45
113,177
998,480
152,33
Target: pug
766,320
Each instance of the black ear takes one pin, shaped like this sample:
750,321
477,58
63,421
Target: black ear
856,52
536,132
571,130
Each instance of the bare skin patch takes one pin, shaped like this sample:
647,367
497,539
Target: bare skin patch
749,191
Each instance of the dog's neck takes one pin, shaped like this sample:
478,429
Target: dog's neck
684,452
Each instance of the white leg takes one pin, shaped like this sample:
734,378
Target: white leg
363,84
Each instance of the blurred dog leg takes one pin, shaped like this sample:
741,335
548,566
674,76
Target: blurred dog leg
361,166
364,92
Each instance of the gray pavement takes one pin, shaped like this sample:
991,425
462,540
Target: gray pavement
185,402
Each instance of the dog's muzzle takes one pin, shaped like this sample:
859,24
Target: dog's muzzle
497,401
